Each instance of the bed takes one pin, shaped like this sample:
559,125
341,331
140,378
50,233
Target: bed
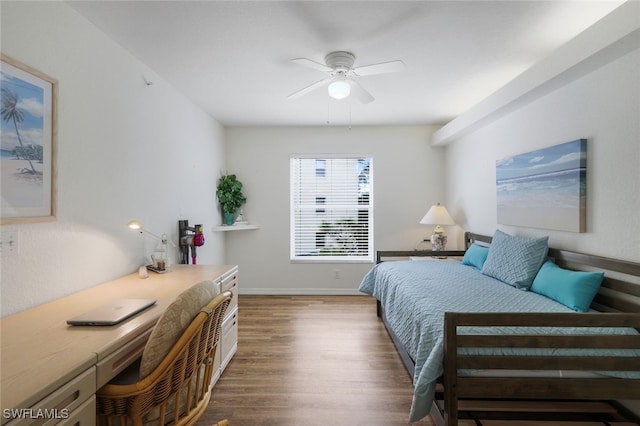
480,350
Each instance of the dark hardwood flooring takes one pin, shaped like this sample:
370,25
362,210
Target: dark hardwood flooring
311,361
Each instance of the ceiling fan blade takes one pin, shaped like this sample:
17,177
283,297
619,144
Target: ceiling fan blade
309,88
382,68
312,64
360,93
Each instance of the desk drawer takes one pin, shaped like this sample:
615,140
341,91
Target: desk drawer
229,338
85,415
60,405
230,283
109,367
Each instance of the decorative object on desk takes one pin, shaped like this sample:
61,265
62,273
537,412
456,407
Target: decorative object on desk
160,257
190,238
438,216
230,196
143,272
546,188
28,143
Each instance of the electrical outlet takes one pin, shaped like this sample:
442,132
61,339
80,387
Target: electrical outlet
9,243
336,274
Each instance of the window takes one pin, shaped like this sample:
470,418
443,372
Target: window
331,209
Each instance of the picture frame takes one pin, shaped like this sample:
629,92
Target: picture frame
545,188
28,141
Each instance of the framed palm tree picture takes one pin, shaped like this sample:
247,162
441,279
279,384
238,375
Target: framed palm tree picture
27,143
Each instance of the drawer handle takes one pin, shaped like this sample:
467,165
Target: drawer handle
231,278
129,357
66,402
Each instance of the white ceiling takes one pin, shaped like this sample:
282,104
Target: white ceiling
233,58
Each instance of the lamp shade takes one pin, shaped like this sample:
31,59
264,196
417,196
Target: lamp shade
135,224
339,89
437,215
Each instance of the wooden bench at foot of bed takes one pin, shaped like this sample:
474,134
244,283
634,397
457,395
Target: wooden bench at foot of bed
537,398
532,413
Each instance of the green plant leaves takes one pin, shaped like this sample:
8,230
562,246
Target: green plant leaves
229,193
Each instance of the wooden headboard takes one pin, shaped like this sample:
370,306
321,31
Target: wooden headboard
620,290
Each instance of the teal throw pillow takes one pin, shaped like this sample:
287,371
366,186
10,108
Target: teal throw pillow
515,260
574,289
475,255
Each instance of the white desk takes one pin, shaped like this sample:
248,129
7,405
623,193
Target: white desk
46,364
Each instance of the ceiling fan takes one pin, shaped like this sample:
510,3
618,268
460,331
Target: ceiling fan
341,82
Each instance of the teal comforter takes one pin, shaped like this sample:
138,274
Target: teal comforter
416,294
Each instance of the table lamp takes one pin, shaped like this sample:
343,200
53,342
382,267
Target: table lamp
160,259
438,216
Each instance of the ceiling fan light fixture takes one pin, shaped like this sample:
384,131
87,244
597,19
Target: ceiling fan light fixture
340,81
339,89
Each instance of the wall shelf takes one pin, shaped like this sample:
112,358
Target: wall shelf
225,228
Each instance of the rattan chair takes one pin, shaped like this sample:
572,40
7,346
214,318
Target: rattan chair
178,390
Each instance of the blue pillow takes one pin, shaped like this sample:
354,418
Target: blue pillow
574,289
475,255
515,260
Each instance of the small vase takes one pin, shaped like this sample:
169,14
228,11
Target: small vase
229,218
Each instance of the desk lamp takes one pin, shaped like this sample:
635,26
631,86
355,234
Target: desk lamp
160,259
438,215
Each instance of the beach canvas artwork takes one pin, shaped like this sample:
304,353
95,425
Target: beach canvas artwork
26,143
545,188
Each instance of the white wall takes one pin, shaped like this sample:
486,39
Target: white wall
408,179
128,150
604,108
125,150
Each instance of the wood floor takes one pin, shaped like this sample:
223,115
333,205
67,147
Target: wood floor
311,361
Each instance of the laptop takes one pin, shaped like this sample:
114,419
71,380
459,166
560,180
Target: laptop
113,312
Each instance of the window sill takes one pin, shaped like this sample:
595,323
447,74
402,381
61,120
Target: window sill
323,259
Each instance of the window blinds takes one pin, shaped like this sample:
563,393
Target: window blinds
331,209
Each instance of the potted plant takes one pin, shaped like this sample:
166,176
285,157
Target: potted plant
230,196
